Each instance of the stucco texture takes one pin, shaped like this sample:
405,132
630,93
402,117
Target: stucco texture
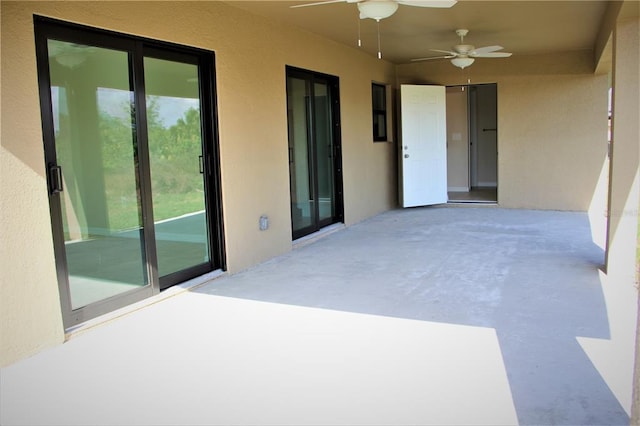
625,177
251,55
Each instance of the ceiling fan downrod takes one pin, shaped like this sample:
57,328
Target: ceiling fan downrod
379,52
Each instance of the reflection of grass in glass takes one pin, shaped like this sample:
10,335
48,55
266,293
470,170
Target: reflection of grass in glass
123,213
122,203
168,205
174,153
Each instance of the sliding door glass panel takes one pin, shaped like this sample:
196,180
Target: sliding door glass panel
324,151
299,116
177,168
97,156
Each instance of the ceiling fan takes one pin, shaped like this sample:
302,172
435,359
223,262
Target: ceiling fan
463,55
69,55
380,9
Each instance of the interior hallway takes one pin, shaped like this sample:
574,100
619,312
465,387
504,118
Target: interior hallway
420,316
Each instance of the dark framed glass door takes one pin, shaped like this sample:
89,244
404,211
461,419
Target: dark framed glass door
315,163
176,110
131,154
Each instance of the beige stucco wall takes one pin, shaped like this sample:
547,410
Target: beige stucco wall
625,182
251,54
624,195
552,124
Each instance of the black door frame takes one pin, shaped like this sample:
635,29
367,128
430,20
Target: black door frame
333,83
137,48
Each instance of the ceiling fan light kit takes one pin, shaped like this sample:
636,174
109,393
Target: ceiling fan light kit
377,9
462,62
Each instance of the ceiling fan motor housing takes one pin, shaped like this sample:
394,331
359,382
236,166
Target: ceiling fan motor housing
463,49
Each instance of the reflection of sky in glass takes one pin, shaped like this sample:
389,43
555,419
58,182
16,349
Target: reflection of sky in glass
170,109
114,103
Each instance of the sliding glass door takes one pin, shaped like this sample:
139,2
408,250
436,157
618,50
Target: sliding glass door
315,166
131,161
95,175
176,160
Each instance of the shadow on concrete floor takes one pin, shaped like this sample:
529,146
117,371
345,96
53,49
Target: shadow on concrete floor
439,316
533,276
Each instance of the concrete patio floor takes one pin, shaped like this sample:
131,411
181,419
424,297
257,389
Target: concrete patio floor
421,316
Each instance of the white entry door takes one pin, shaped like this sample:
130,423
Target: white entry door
423,149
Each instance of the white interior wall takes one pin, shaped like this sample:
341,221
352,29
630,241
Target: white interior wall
457,139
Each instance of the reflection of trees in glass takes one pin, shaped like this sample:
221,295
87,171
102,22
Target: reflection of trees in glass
119,162
174,154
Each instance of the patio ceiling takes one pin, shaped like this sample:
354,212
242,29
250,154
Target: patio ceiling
521,27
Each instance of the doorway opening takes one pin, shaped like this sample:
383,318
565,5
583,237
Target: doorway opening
315,160
472,144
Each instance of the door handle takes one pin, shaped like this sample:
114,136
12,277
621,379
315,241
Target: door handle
55,179
201,164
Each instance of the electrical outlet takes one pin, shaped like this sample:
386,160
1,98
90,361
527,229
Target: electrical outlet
264,222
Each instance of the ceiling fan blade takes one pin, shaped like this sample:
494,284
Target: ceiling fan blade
319,3
486,49
448,52
432,57
428,3
491,55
